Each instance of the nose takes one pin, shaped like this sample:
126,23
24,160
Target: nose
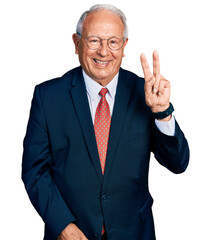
104,49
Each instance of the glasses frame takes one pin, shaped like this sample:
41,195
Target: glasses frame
101,41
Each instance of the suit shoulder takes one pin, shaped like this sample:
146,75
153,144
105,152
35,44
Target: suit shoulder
132,77
59,82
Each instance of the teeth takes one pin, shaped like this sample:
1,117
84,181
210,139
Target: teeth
100,62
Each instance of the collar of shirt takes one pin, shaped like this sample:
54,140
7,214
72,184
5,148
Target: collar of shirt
93,88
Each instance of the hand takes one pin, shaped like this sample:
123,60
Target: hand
157,88
71,232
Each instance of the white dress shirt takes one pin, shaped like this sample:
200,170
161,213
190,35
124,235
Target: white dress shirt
93,88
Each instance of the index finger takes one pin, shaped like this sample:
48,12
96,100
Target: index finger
145,67
156,63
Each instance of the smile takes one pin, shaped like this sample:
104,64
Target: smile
102,63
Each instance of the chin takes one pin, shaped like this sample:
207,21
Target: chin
100,75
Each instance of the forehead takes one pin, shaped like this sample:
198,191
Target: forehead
103,23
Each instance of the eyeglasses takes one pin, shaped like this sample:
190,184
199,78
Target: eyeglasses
114,43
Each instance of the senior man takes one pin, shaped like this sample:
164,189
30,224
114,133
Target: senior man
90,135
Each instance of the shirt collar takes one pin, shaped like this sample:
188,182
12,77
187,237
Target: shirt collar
93,88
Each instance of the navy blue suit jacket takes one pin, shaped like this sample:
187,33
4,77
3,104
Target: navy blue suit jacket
61,167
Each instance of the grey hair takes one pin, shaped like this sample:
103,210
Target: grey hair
79,27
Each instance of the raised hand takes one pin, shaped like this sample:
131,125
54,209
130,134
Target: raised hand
157,88
71,232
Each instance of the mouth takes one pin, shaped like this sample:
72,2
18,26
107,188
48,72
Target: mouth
100,62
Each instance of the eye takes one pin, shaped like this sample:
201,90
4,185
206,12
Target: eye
93,40
113,41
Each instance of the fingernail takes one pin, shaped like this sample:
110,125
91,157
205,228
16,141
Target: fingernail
155,90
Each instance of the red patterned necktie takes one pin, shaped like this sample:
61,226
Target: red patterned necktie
102,127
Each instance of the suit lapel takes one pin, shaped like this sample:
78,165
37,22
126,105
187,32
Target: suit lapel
79,96
120,106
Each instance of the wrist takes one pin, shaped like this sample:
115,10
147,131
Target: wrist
160,108
164,115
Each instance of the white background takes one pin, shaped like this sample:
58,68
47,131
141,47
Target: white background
36,45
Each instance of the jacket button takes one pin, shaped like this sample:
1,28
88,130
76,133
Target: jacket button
97,234
104,197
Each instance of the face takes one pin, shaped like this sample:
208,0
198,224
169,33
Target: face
101,64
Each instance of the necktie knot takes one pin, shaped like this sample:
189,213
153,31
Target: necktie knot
103,92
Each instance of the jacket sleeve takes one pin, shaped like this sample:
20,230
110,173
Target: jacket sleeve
36,172
171,152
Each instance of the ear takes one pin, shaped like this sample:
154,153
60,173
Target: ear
76,39
124,45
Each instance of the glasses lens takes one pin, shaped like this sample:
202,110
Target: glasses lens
115,43
93,42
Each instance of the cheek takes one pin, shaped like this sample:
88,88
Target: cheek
87,56
84,57
118,55
118,58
